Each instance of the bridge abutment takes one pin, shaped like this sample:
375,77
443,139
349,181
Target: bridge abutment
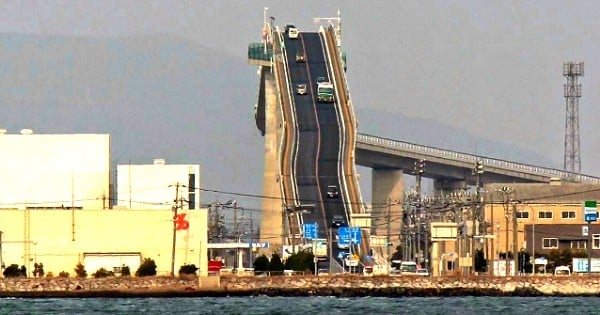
271,227
386,214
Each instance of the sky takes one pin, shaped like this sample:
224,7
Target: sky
492,69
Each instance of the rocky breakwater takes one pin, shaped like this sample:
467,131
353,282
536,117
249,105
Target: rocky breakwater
336,285
414,286
91,287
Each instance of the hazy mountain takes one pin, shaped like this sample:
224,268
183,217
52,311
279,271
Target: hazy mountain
166,97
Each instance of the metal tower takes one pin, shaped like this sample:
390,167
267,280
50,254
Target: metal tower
572,71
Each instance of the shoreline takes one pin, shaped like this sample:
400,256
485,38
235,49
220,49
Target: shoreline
336,286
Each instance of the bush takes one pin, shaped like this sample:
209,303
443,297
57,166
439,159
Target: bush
38,270
63,274
261,263
13,271
188,269
102,273
275,264
147,268
125,272
80,271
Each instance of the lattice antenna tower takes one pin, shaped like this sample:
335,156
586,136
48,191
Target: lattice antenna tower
572,71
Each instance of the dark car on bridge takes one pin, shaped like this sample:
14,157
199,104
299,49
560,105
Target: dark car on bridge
332,191
338,221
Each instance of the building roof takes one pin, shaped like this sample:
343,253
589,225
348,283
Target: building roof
543,192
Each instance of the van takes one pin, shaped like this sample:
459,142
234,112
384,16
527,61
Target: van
408,268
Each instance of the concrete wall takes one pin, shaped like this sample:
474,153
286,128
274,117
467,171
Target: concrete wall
43,170
59,238
152,186
387,187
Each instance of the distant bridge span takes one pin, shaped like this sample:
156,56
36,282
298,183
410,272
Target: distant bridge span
446,165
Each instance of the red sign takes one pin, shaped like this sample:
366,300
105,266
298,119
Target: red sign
214,265
181,222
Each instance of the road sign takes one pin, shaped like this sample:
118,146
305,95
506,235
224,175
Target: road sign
310,231
355,235
590,212
259,245
584,231
343,236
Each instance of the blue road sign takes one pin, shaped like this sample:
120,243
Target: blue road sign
343,236
347,235
591,217
355,235
310,231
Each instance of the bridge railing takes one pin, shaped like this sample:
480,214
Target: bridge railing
465,157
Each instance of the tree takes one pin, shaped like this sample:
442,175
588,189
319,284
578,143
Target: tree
275,265
12,271
301,261
147,268
80,271
397,255
480,261
261,263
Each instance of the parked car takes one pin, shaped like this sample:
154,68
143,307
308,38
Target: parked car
562,271
422,272
301,89
332,191
300,57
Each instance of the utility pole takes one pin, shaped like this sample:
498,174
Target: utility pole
389,230
515,234
476,215
251,241
175,206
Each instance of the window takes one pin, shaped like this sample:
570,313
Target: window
522,214
545,215
550,243
568,214
578,244
595,241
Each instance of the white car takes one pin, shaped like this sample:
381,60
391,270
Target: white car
422,272
301,89
293,33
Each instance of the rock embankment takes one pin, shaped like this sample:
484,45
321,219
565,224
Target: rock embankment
302,286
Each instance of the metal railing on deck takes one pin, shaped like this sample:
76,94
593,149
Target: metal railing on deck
465,157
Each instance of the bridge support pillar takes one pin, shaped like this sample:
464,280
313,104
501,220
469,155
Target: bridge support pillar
386,214
271,226
443,186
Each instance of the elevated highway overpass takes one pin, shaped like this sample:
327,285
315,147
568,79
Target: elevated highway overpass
310,146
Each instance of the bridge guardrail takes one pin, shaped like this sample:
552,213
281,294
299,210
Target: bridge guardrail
526,168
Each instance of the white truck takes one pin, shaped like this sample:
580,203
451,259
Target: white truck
320,248
325,92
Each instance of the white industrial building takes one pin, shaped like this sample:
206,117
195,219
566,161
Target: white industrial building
154,186
54,170
70,174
